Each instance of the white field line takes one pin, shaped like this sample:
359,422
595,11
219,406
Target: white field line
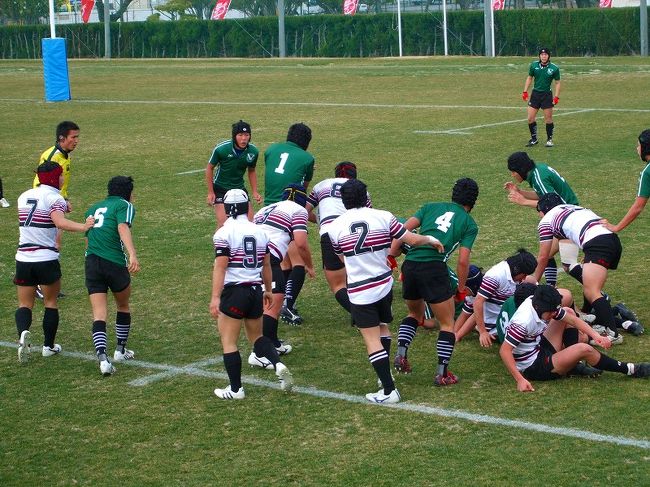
193,171
192,370
315,104
464,130
194,366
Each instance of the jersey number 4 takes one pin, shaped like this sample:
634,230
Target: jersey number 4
443,222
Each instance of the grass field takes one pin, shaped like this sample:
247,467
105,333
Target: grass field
413,126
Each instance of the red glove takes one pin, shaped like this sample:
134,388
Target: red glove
460,296
392,262
524,96
556,100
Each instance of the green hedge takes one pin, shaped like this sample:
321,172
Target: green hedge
568,32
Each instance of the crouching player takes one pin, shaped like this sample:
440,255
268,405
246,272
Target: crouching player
363,237
241,264
541,342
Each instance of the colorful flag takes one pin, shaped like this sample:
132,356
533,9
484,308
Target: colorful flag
220,10
605,4
86,9
350,7
498,4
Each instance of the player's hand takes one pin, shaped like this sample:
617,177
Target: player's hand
134,264
485,339
210,199
214,307
310,272
556,100
392,262
436,244
268,299
524,386
460,296
89,223
510,187
524,96
68,208
603,341
516,197
531,279
257,197
612,228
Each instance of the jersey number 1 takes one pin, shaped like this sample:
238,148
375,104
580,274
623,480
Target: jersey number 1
283,160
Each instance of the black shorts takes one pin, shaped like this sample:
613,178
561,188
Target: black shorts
604,250
369,315
331,261
35,273
242,301
426,280
278,283
219,193
541,99
541,368
102,275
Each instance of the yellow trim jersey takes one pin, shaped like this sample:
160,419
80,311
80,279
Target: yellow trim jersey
61,157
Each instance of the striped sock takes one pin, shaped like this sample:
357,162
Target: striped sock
99,337
407,329
122,328
379,361
445,348
550,273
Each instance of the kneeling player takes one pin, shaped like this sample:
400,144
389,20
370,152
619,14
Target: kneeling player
241,264
538,344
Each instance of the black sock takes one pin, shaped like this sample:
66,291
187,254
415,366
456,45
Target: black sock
604,313
50,326
445,348
99,337
232,362
385,342
549,130
343,299
608,363
297,279
263,347
23,320
533,130
570,337
270,329
379,361
575,271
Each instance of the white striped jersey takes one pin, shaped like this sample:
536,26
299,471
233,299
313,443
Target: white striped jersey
37,242
245,244
524,332
363,236
280,221
326,196
497,286
571,222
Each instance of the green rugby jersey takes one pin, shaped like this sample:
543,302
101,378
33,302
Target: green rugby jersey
508,309
543,75
103,238
644,183
449,223
285,163
231,164
544,179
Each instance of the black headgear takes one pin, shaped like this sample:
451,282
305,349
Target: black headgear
523,262
121,186
299,134
465,192
644,140
474,278
521,163
240,127
544,50
235,202
549,201
354,194
295,193
345,169
522,291
546,298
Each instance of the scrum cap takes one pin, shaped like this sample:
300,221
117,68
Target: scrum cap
546,298
235,202
549,201
240,127
521,163
48,173
522,291
295,193
474,278
465,192
523,262
345,169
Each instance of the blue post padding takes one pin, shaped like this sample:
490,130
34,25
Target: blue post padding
55,69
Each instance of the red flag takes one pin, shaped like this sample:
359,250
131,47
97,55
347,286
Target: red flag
350,7
605,4
220,10
498,4
86,9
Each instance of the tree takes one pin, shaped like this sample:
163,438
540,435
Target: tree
23,11
115,16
